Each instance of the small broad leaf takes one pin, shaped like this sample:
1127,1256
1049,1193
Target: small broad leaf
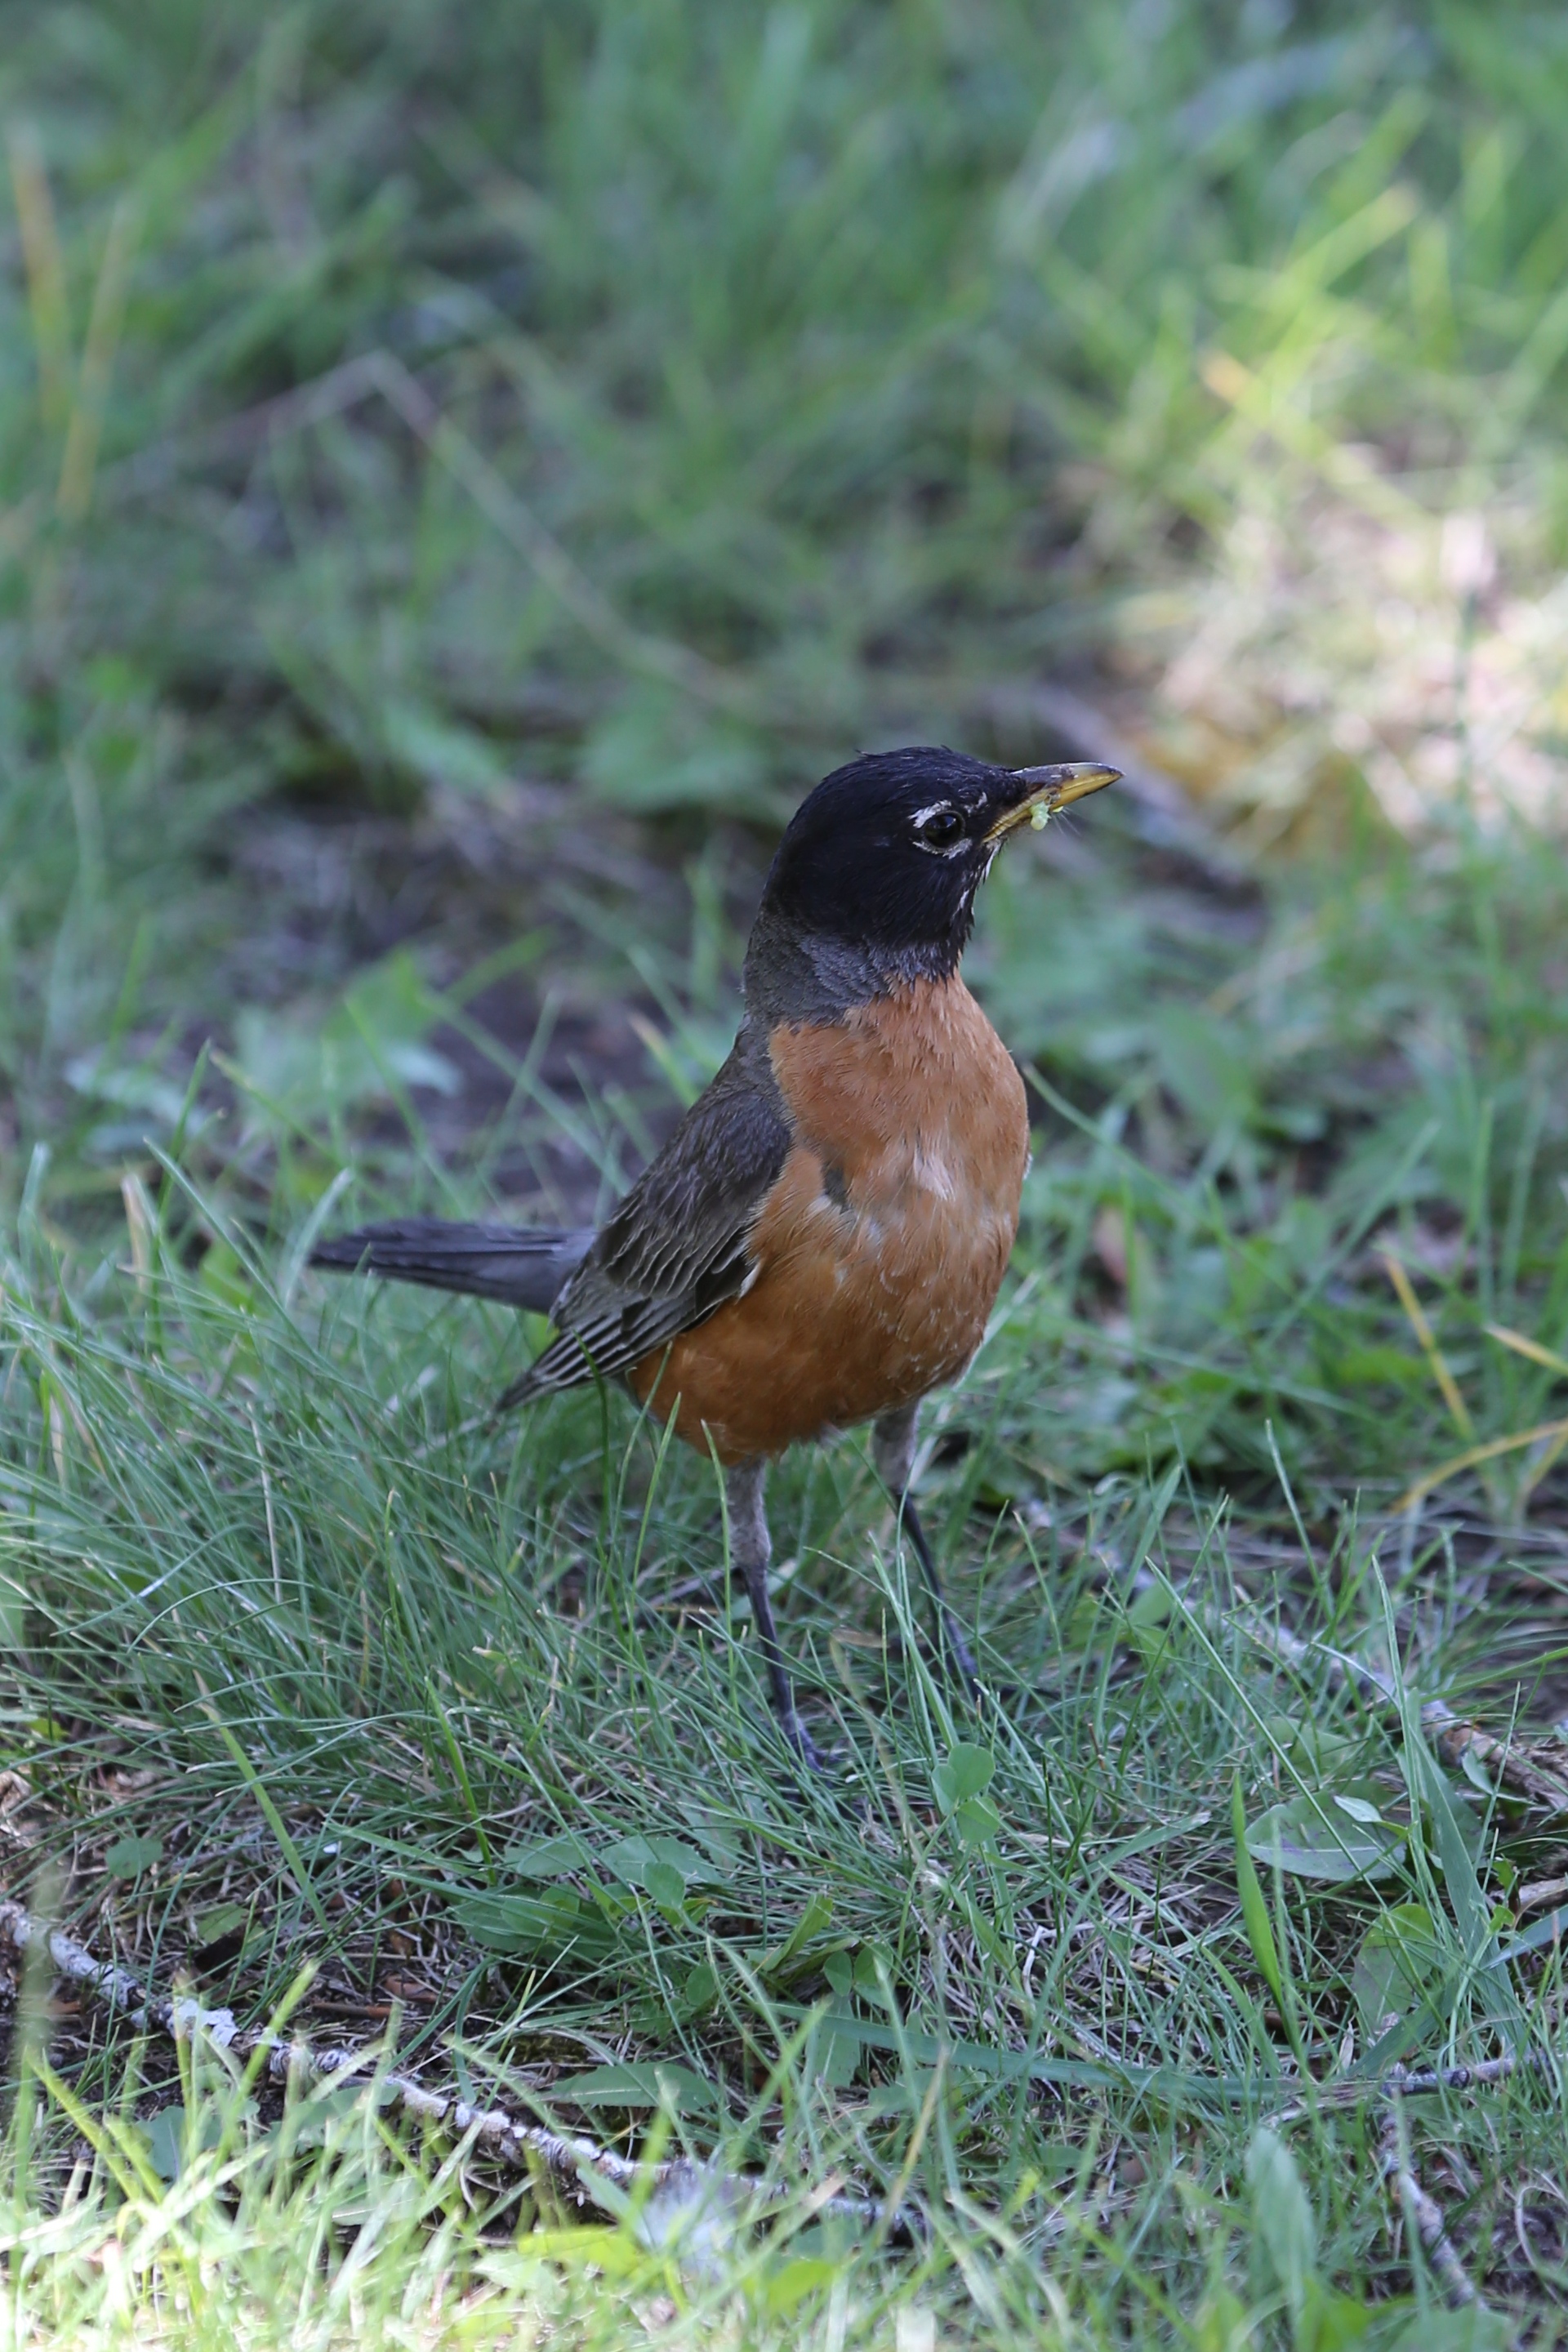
1331,2322
965,1771
632,1858
804,2275
439,750
851,1972
975,1821
222,1276
718,1840
131,1087
1400,1958
1473,2328
982,1924
330,2105
811,1923
553,1857
665,1884
833,2052
546,1926
372,1042
1285,2233
168,2139
128,1857
1057,2160
646,2086
1090,1623
1313,1752
1359,1811
584,2248
701,1991
869,1961
1455,1838
218,1924
1222,2322
1254,1910
1311,1838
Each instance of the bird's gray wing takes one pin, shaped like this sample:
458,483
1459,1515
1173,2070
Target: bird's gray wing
676,1248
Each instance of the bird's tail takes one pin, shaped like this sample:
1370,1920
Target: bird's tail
522,1266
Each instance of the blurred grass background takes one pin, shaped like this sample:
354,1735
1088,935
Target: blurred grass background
463,474
656,401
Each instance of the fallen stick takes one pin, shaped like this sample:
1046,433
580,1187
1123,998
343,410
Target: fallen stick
520,2145
1417,2082
1453,1737
1403,2082
1427,2215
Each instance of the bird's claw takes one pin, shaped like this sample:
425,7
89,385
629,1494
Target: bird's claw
958,1650
803,1745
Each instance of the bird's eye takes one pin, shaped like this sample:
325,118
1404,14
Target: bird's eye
939,829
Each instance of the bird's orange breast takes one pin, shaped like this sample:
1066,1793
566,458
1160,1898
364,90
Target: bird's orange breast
878,1252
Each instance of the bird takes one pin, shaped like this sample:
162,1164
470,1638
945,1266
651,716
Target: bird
821,1240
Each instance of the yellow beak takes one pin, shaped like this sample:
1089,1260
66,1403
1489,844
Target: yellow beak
1050,790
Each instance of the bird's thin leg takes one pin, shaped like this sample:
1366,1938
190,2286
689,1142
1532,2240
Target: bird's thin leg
750,1550
893,1452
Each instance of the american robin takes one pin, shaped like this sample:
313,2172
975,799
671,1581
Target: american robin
821,1240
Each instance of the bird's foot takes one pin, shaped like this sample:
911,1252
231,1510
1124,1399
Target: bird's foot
956,1649
803,1745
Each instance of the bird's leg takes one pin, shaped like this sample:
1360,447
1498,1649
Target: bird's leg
893,1452
751,1551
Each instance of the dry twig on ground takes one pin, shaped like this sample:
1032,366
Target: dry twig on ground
1424,2213
521,2146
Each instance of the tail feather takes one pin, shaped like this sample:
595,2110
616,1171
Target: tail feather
522,1265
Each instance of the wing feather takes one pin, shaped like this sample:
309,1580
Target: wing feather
676,1247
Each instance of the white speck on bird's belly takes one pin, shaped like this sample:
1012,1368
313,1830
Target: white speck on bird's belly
932,1174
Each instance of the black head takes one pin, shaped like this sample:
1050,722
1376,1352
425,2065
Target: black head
885,856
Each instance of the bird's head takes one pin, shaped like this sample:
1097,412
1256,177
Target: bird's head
886,856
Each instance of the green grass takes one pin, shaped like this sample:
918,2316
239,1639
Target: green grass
731,388
274,1577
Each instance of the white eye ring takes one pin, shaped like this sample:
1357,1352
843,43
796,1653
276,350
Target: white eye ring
923,817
